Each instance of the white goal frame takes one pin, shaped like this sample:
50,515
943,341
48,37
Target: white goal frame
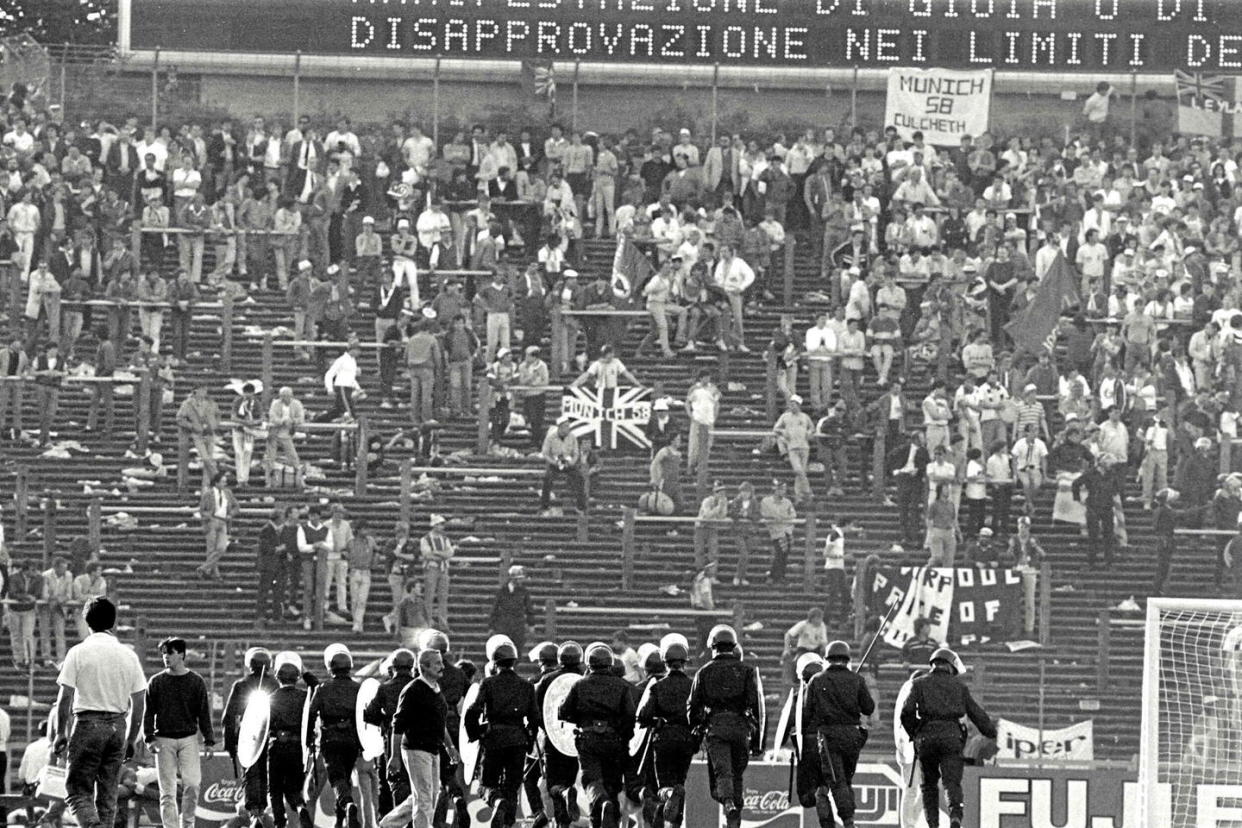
1149,731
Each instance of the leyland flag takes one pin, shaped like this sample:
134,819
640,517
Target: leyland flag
1208,104
943,104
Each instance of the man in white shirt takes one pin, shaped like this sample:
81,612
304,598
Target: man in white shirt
341,381
101,682
702,407
1154,470
1030,464
435,232
734,276
24,221
417,150
821,347
1092,257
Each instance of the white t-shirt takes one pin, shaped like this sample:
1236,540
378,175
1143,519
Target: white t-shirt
975,491
103,673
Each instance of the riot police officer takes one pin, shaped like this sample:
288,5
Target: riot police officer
673,744
724,705
811,793
640,783
602,707
334,707
932,717
559,770
394,788
544,655
453,684
504,718
836,699
284,742
258,676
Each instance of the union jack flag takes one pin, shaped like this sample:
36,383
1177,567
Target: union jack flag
540,78
608,415
1207,104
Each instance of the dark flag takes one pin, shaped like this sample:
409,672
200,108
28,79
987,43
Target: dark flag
1034,328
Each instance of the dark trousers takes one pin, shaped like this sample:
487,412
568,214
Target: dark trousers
603,760
256,784
533,409
940,758
179,333
811,793
342,403
1100,533
576,487
838,759
340,758
501,776
49,400
269,600
499,417
101,394
780,558
728,754
672,764
910,505
1165,549
837,604
559,773
283,583
976,515
1002,497
96,750
284,773
530,783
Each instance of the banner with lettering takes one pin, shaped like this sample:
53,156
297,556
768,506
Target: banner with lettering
1015,741
967,605
943,104
612,417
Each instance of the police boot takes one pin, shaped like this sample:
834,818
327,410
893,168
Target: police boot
571,804
674,806
351,816
461,816
305,820
560,812
597,813
733,814
610,815
651,810
256,822
540,820
500,813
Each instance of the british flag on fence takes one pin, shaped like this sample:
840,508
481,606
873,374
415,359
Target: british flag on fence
607,414
1208,104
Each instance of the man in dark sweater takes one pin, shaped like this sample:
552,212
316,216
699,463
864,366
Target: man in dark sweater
1101,488
271,555
419,735
177,727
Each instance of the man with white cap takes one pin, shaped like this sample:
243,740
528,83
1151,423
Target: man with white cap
562,456
404,246
437,550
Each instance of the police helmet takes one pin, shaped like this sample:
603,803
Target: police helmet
504,653
569,654
544,653
945,656
495,641
649,656
722,637
337,657
599,656
402,659
288,666
808,664
674,647
838,650
258,659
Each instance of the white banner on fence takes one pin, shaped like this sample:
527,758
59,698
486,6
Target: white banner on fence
1017,742
943,104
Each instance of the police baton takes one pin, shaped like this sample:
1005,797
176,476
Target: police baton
876,637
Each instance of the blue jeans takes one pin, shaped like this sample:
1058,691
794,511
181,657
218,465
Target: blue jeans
96,750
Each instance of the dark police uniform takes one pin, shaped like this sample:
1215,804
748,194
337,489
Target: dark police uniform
531,779
932,716
256,775
393,788
835,701
334,706
559,770
724,702
809,783
602,706
507,703
673,743
284,751
453,686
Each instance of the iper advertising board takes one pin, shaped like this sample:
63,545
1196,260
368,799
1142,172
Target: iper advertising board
1147,36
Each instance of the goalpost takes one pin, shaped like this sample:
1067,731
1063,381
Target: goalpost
1190,749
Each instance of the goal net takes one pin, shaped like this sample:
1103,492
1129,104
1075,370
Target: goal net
1190,754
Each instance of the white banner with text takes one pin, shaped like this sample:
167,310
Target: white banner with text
943,104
